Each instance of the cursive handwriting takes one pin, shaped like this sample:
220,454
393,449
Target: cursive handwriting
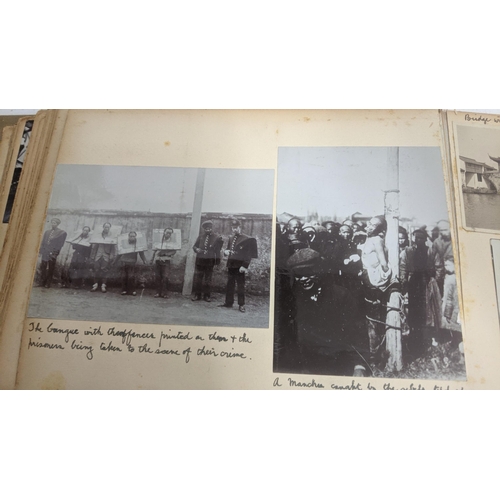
110,347
353,386
165,343
218,338
480,118
93,331
65,331
44,345
128,335
358,386
177,336
310,385
225,354
82,347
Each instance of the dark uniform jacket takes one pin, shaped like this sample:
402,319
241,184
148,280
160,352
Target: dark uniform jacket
210,246
244,248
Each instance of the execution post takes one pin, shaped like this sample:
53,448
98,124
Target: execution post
393,319
194,231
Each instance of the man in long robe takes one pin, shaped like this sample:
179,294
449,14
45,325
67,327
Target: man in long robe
329,329
418,267
376,278
52,242
443,250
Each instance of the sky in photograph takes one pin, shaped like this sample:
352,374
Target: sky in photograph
337,182
477,143
161,189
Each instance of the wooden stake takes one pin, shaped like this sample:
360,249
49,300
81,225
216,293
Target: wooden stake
194,232
391,202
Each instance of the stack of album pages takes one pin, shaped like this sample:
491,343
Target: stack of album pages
225,249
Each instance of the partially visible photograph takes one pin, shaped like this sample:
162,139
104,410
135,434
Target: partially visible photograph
176,246
365,281
21,156
478,159
495,253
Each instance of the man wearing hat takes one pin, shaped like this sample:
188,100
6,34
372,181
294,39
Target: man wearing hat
207,249
418,265
241,249
296,237
442,247
52,242
327,325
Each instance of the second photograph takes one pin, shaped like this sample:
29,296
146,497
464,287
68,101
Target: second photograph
365,279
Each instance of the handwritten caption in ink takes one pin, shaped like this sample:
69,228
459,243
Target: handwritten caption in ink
99,340
482,119
353,385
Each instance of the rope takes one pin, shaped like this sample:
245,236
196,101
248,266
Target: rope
383,323
378,303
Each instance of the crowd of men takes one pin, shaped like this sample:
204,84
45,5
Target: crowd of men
333,282
98,261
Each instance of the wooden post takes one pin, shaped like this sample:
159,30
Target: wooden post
194,232
391,202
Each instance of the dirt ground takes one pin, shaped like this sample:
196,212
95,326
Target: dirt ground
80,304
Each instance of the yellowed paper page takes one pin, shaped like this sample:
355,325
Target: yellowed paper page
74,338
5,147
17,259
6,136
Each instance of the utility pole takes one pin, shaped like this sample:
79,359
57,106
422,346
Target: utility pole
194,232
393,319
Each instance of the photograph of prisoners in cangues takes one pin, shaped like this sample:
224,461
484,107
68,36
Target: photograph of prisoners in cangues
161,245
478,165
365,282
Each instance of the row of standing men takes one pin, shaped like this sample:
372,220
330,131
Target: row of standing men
96,261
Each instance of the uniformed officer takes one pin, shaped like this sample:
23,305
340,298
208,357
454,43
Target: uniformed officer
241,249
207,249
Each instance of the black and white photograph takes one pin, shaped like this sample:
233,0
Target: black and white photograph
365,279
21,157
495,255
478,161
159,245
